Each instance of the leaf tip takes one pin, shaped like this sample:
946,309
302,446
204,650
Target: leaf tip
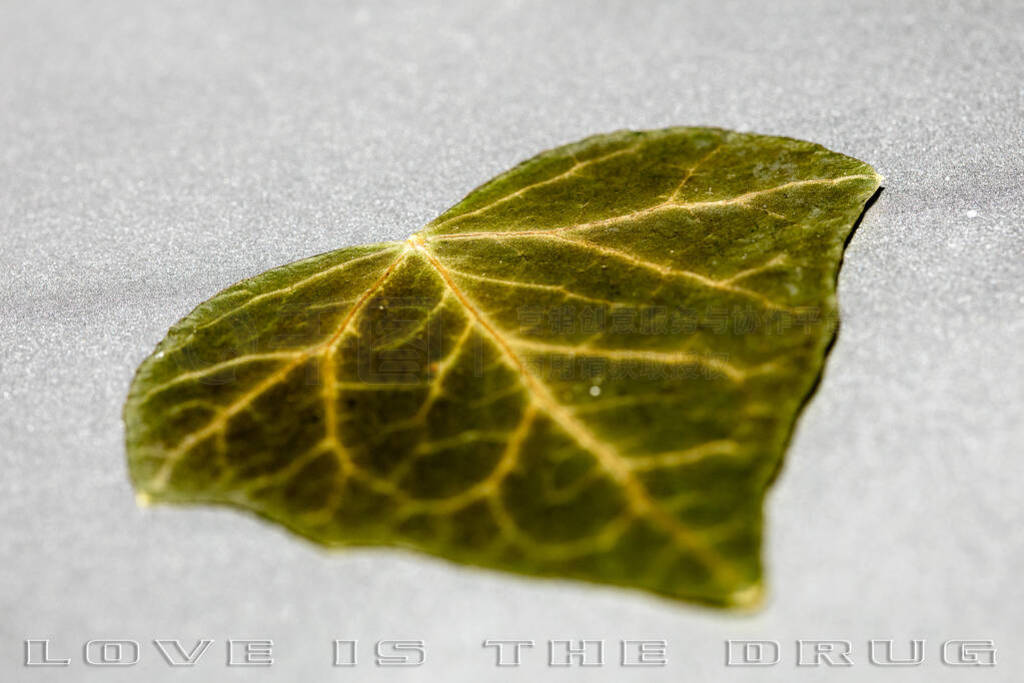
747,598
143,499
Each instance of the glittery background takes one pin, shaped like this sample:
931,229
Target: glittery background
153,153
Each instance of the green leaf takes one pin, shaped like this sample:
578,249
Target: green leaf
589,368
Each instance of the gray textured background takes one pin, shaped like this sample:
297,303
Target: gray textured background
153,153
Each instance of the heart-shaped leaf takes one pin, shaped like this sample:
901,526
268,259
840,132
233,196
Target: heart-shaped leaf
588,368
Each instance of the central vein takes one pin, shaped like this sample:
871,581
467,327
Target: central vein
638,497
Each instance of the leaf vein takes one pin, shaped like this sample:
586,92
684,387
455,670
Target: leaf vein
526,188
636,493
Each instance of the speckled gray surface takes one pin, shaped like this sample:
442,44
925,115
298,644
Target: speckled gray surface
153,153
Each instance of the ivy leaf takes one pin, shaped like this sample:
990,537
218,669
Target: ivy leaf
588,368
